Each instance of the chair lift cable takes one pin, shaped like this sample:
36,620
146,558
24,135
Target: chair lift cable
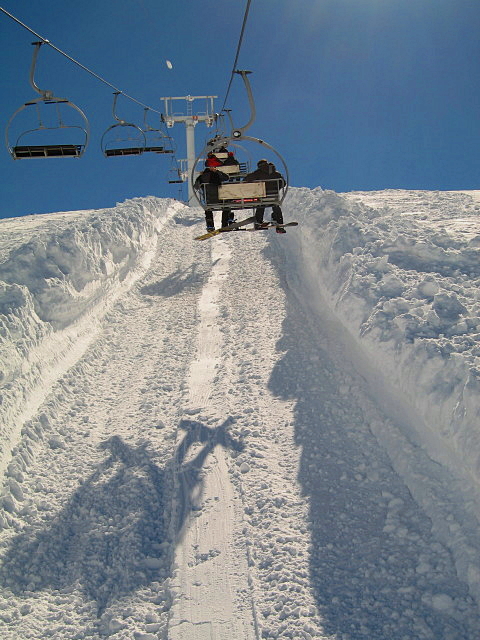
79,64
245,17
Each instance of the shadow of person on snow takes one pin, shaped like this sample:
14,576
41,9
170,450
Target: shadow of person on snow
199,442
107,539
112,537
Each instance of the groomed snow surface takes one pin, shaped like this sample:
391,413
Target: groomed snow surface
255,436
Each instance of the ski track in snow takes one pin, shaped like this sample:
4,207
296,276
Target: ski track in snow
209,576
213,467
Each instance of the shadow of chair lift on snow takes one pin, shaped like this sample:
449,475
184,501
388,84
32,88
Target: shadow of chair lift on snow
112,537
178,281
191,455
357,568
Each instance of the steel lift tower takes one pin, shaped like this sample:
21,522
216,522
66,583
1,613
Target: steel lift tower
191,120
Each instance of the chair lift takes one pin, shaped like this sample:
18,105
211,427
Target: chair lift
235,194
178,173
122,138
176,177
156,140
23,148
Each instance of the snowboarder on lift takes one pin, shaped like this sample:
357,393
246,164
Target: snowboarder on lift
230,160
267,172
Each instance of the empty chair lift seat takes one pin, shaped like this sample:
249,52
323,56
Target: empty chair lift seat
126,151
48,151
157,149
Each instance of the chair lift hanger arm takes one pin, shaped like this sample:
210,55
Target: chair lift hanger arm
46,95
240,131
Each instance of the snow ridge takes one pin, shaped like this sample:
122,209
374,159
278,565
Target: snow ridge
54,289
402,275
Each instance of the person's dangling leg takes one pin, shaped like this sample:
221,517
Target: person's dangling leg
259,213
209,220
277,215
227,217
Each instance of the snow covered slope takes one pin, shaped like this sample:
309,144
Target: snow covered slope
403,277
256,436
59,275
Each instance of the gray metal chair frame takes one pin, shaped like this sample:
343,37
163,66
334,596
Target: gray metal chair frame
133,142
19,149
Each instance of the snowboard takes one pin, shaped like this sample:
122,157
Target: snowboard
230,227
273,225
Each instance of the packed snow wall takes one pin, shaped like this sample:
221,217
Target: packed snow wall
406,285
59,275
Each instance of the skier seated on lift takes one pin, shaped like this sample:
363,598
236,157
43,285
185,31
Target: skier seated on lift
230,160
267,172
212,160
210,179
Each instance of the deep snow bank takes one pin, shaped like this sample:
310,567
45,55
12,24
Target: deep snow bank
400,271
54,287
405,280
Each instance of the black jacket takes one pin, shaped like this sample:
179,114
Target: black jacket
267,172
212,180
210,177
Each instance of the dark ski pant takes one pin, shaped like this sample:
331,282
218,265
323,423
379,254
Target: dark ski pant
277,215
226,216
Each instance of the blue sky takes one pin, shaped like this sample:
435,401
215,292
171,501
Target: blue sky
355,94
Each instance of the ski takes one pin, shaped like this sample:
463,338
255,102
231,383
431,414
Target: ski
230,227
